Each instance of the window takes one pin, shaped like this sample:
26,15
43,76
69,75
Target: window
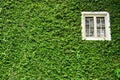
95,26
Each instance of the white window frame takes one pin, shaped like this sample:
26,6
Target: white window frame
94,15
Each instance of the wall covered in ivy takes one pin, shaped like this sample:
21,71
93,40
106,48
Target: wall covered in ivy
41,40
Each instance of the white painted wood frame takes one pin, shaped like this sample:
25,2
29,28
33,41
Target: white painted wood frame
95,15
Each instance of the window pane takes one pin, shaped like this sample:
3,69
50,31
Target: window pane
87,32
100,26
89,25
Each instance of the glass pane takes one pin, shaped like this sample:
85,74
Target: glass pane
98,32
87,32
100,26
89,25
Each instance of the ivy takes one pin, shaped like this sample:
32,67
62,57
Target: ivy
41,39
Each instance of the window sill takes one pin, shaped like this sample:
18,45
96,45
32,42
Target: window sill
97,38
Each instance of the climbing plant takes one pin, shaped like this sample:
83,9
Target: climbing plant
41,40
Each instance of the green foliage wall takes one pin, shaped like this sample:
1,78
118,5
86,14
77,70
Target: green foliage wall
41,40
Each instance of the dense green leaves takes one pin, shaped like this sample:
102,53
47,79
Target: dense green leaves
117,71
41,40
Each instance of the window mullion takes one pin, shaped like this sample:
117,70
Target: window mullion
95,27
